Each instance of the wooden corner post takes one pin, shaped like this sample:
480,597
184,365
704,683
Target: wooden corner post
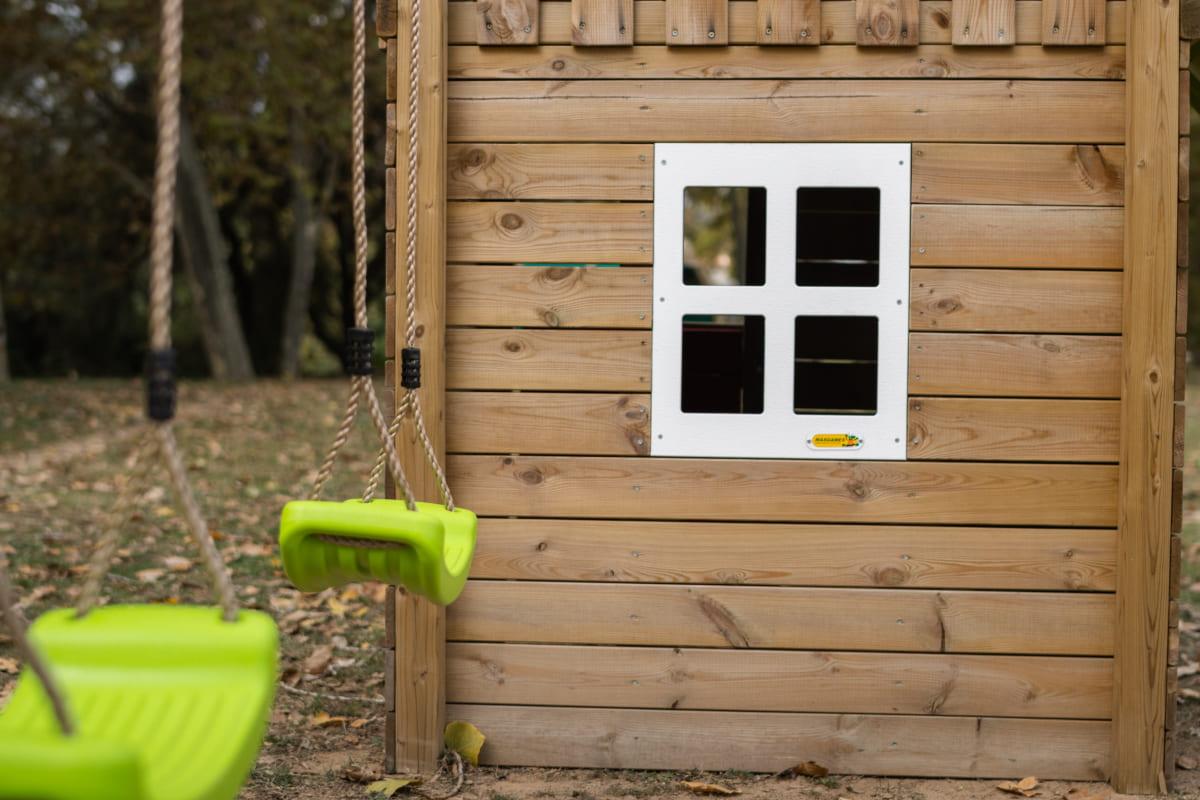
420,626
1147,381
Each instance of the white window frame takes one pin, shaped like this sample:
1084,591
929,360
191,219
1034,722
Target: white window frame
778,432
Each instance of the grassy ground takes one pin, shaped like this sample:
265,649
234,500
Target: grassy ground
249,450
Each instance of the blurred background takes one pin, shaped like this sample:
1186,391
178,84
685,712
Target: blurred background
264,238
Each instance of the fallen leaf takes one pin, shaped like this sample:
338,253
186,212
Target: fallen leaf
9,665
1087,793
1186,762
318,660
388,787
1188,694
359,774
162,512
324,720
1025,787
177,563
809,769
149,575
466,740
700,787
359,723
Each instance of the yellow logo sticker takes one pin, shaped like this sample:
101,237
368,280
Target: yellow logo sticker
835,441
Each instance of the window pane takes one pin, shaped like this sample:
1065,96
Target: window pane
836,366
722,370
837,236
724,236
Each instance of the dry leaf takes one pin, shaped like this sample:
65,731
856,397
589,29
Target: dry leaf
9,665
700,787
466,740
1025,787
318,660
149,575
360,774
1087,793
359,723
1188,694
1186,762
177,563
809,769
324,720
388,787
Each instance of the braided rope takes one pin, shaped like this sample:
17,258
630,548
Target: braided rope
16,627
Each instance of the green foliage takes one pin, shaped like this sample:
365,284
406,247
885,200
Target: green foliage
266,89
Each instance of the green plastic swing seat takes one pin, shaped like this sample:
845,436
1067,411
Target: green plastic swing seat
170,703
427,551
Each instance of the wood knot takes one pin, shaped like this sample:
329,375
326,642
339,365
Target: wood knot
1050,346
507,461
511,222
550,317
558,65
948,305
890,576
934,68
532,476
513,346
556,274
542,546
856,489
474,160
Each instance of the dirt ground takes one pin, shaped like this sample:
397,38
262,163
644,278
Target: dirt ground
250,449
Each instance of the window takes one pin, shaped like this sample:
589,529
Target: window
781,300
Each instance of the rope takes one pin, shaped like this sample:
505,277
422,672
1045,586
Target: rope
362,388
16,627
160,436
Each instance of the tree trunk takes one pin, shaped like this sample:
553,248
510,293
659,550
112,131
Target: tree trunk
306,222
4,373
204,258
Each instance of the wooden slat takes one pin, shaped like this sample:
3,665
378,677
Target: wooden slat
1148,372
932,61
1015,300
550,297
386,13
874,556
1185,159
983,22
557,232
506,21
1012,430
601,22
697,22
419,626
555,360
786,491
719,740
789,22
549,171
1080,175
535,422
840,682
1014,365
1073,22
1017,236
838,23
1031,623
887,22
766,111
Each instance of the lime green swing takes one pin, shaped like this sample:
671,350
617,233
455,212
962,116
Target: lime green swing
142,702
424,547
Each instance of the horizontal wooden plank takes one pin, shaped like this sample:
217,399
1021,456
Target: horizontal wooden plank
986,429
880,556
1015,300
1014,365
1082,174
1017,236
787,111
787,491
548,422
837,22
555,360
759,680
555,232
548,297
967,747
1025,623
563,62
549,171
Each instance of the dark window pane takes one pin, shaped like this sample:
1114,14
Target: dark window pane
836,365
724,236
837,236
722,370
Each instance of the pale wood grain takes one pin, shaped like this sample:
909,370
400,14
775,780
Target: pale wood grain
697,22
549,297
506,22
889,23
1073,22
550,171
873,556
789,22
601,22
548,422
1080,175
561,360
556,232
787,491
983,22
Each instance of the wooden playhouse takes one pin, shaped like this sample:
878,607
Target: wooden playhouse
814,369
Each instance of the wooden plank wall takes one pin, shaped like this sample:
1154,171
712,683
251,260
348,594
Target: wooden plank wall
951,614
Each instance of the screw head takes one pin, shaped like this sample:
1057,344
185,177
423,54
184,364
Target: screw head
674,32
526,29
768,31
488,25
582,24
920,249
1091,31
804,33
712,34
867,30
1055,29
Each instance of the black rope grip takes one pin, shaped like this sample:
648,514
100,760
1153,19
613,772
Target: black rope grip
360,347
160,385
410,368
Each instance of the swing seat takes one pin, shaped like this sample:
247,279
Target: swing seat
170,703
427,551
